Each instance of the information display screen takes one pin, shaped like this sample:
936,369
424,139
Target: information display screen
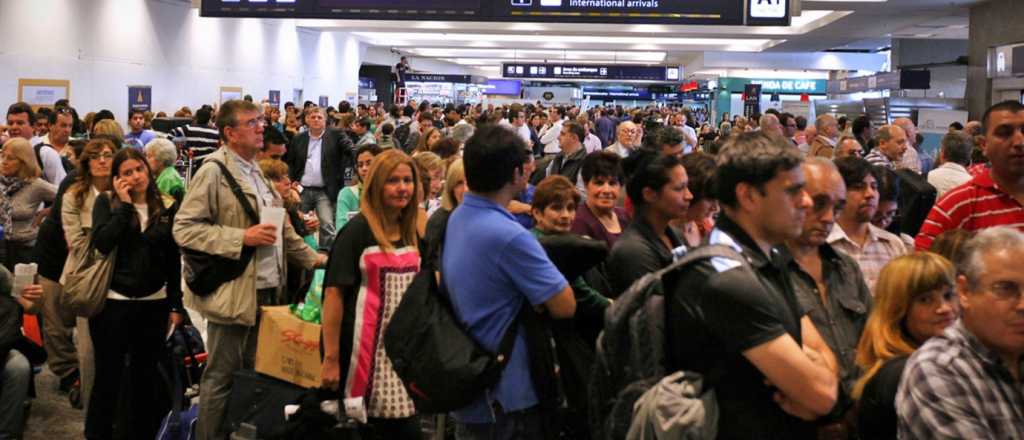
615,72
710,12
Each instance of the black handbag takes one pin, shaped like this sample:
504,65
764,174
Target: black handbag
204,272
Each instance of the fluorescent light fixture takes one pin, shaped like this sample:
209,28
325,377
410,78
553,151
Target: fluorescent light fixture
392,38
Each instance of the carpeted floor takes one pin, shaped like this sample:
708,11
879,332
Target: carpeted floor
51,416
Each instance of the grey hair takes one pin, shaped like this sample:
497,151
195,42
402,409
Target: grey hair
985,242
957,147
462,132
163,150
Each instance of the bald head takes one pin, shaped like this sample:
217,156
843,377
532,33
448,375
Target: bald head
828,193
908,128
827,126
770,124
892,141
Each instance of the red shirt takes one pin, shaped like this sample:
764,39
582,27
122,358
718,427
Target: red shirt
977,204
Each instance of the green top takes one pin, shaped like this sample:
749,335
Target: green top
587,298
348,205
170,183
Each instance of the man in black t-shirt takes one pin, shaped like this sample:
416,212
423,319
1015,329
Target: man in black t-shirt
740,325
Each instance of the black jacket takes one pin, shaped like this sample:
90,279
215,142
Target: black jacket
146,260
51,248
337,160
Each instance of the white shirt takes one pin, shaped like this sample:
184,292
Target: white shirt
53,168
910,160
688,132
592,143
524,132
313,176
948,176
549,138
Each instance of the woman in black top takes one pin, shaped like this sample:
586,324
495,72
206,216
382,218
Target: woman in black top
657,187
914,300
143,300
373,261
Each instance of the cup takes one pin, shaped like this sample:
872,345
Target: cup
24,276
272,215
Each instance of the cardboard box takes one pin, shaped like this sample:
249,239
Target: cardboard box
288,348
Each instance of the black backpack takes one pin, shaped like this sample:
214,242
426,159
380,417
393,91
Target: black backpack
441,365
916,199
401,136
64,161
630,356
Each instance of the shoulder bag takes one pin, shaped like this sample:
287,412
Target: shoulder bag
204,272
87,280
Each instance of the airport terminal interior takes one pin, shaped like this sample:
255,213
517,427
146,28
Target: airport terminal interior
511,219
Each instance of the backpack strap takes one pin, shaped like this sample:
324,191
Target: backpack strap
237,191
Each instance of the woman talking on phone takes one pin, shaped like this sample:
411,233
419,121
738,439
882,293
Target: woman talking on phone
133,223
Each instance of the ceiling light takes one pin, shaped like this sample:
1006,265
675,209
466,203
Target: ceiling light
559,41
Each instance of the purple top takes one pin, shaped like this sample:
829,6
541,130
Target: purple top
586,223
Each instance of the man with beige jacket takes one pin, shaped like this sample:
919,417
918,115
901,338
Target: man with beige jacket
824,144
211,220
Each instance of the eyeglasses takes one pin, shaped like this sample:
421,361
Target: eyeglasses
104,156
1006,290
253,123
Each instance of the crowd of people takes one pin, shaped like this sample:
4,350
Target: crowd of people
857,310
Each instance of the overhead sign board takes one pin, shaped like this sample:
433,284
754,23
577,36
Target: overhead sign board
776,85
901,80
688,12
511,87
613,72
439,78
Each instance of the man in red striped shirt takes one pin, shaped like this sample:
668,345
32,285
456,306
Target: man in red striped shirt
995,197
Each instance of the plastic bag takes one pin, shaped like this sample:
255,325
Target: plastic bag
309,309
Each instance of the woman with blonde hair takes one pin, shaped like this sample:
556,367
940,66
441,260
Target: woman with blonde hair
914,300
451,197
91,179
22,192
371,265
109,127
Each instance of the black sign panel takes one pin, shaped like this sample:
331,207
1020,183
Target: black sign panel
709,12
613,72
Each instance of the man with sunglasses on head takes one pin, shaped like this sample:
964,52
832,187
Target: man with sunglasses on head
828,283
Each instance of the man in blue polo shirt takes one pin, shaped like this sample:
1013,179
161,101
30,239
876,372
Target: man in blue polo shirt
492,268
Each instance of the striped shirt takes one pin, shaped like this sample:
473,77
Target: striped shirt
880,247
977,204
955,387
201,141
877,158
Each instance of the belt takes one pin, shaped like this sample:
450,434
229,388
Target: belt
160,294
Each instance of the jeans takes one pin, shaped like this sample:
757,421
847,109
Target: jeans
525,424
14,384
317,199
